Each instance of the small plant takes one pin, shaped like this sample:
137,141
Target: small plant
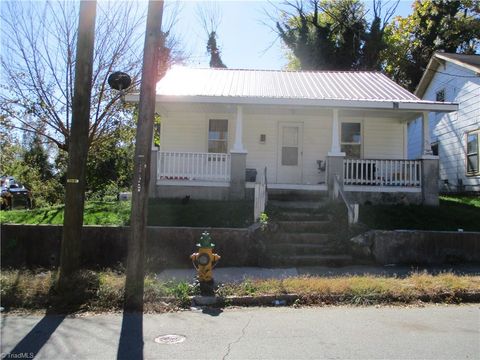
248,287
263,220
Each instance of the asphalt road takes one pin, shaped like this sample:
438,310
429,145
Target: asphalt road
431,332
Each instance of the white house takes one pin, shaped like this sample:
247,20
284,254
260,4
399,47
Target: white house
454,136
302,128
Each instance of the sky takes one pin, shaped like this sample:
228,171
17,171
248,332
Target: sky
244,37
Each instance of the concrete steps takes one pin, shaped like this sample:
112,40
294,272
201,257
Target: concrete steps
306,236
297,226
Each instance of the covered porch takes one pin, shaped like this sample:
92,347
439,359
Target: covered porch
232,174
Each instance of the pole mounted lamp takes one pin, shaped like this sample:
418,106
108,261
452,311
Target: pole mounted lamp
119,80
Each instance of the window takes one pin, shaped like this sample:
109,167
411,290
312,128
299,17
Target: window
351,139
472,153
440,95
434,147
290,146
217,136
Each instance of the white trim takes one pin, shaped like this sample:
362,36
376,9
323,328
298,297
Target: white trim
193,183
429,157
430,106
390,189
327,103
310,187
238,143
335,149
458,62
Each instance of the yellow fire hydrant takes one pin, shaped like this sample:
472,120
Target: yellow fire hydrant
204,261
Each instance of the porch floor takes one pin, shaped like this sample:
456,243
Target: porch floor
305,187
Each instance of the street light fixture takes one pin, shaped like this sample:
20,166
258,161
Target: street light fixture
119,80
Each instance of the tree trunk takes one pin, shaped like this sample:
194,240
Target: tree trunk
141,178
78,148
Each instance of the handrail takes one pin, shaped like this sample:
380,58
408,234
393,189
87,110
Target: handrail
352,209
260,196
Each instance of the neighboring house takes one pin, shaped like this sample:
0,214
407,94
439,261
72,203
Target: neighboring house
454,136
220,126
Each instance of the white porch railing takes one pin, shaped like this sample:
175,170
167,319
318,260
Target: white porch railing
404,173
261,196
193,166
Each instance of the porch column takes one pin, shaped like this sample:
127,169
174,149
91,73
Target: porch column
335,156
335,149
426,147
238,162
238,145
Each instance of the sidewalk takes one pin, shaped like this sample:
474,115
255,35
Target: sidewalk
238,274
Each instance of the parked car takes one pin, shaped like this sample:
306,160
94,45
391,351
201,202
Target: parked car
14,194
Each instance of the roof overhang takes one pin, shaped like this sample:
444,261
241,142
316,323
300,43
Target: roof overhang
436,60
427,76
324,103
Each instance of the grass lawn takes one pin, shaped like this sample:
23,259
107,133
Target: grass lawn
104,290
96,213
454,212
198,213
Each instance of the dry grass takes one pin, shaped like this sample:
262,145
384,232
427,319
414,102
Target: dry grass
352,288
103,291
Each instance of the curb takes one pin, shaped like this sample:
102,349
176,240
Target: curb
318,299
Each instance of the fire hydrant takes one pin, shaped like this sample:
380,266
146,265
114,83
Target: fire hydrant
204,261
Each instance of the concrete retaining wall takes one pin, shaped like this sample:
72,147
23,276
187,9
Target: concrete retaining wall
103,246
417,247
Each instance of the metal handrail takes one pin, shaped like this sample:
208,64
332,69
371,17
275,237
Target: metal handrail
352,209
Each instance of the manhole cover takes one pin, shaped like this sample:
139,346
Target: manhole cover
170,339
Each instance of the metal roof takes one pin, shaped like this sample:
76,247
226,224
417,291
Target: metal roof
318,85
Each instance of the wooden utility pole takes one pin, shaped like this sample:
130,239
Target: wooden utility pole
78,143
141,178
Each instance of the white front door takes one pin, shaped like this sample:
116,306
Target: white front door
289,154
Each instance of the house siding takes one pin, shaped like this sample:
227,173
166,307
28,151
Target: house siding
188,131
383,139
449,130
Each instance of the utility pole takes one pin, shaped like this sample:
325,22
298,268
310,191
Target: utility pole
134,285
78,143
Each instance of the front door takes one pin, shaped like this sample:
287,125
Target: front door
289,163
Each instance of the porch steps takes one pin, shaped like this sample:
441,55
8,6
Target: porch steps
306,236
289,196
310,226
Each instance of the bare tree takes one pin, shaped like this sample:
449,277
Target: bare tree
38,60
209,16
